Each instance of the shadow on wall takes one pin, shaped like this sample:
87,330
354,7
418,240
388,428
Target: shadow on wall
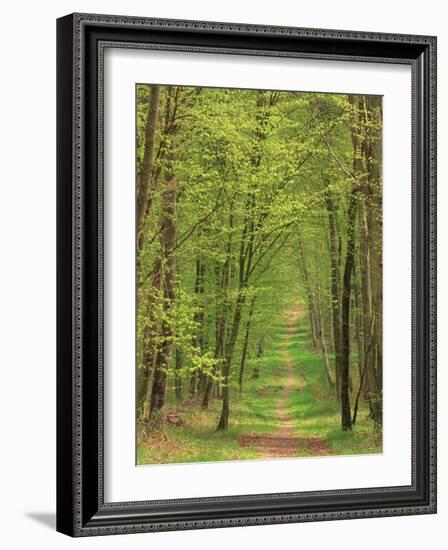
47,519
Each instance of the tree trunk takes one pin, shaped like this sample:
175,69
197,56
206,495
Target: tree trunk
245,344
198,318
323,343
346,417
149,349
358,319
177,376
167,262
371,382
222,277
309,292
335,290
260,351
168,243
373,208
144,191
265,100
223,423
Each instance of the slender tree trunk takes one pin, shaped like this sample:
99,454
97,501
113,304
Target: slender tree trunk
260,352
222,277
245,344
264,102
370,378
223,423
167,264
309,292
144,372
168,243
149,348
198,318
144,194
346,417
245,263
373,207
144,191
335,290
358,319
323,342
177,375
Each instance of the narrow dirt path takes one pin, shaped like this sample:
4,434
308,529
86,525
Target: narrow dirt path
283,442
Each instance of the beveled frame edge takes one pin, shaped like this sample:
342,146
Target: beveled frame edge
72,445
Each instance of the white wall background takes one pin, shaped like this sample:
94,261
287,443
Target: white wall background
27,273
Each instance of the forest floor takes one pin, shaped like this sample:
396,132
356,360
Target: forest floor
284,441
288,411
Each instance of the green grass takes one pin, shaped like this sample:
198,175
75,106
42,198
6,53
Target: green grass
310,402
316,410
198,440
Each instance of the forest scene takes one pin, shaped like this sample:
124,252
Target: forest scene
258,274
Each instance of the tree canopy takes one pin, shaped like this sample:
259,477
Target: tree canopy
250,202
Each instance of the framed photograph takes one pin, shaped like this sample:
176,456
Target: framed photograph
246,274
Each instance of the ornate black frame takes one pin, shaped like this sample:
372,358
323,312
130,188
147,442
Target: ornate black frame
81,39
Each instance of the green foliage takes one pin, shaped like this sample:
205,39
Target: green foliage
310,402
252,173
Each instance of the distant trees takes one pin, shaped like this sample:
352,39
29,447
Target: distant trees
246,202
